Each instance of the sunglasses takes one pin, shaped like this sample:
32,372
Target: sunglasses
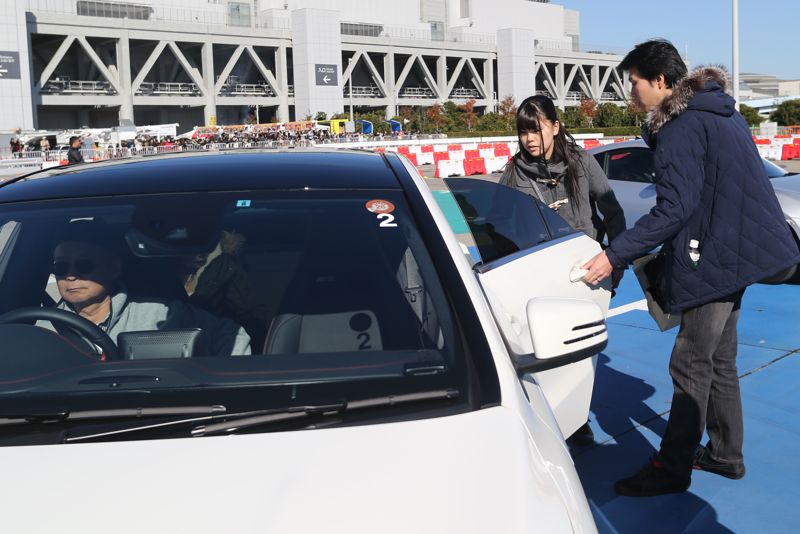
78,267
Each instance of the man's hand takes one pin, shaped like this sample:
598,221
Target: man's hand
598,269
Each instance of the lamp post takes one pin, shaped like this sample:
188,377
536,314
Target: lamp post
736,52
350,85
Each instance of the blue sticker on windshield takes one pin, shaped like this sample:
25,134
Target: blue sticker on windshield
243,203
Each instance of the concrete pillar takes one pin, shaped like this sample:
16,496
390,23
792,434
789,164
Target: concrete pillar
317,58
17,109
516,58
561,88
488,83
210,108
83,117
282,76
441,77
389,79
124,68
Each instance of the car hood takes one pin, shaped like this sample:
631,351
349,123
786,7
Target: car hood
474,472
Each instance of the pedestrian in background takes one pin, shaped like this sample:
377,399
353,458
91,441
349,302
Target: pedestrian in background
722,229
74,153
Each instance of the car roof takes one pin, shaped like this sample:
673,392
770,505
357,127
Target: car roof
209,171
635,143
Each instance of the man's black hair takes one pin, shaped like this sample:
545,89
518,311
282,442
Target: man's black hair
654,57
96,232
73,139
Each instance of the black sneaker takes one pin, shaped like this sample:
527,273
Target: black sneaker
652,480
704,462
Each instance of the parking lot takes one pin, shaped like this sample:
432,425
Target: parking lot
631,404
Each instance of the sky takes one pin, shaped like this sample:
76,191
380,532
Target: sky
767,30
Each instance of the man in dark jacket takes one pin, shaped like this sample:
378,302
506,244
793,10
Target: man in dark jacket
722,229
74,153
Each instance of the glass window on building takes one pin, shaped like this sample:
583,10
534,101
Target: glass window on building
239,14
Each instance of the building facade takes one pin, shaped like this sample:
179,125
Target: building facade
102,63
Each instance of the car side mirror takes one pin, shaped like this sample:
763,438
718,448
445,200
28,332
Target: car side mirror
563,331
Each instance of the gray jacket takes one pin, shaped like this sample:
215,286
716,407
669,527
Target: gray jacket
220,337
592,186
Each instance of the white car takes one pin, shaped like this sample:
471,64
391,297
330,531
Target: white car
398,378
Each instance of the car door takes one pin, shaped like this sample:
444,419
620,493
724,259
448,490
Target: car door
521,250
631,174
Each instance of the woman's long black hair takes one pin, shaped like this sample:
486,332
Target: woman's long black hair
529,114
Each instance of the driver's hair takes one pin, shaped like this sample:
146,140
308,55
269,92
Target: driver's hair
92,231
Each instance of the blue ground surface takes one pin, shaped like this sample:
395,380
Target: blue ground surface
630,407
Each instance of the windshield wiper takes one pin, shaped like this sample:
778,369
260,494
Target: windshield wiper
232,422
120,413
299,412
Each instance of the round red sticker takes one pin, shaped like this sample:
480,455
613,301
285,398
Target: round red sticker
380,206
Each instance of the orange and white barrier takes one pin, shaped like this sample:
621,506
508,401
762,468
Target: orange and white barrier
778,147
425,158
449,167
495,163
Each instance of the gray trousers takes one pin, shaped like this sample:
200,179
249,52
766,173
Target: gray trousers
706,387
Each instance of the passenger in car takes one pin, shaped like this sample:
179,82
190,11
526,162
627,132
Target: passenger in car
217,283
87,267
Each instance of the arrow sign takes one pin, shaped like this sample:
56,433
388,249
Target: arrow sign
326,74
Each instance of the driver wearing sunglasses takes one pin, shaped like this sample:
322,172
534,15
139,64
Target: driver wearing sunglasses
87,268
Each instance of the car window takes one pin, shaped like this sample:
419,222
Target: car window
222,290
631,165
601,159
503,220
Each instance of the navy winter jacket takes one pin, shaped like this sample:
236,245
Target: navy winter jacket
711,186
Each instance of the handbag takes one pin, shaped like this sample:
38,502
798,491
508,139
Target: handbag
651,272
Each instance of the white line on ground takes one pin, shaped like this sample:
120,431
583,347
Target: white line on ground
638,305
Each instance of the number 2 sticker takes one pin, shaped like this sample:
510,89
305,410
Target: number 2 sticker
383,211
387,220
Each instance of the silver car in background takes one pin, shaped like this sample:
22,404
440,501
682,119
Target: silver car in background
631,173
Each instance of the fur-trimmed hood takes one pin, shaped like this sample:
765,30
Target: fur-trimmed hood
694,92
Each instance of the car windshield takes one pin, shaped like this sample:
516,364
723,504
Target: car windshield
249,299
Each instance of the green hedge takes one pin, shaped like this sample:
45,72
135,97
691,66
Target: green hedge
615,131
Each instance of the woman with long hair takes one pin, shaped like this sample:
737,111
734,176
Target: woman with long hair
551,167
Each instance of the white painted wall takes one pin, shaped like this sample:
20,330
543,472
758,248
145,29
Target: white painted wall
316,40
386,12
16,109
545,20
515,63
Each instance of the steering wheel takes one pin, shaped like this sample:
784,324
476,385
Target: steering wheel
85,328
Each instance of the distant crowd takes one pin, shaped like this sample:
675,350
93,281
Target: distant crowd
201,137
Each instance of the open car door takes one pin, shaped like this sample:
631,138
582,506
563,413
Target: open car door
521,249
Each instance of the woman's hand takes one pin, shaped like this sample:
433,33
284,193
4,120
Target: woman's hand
598,268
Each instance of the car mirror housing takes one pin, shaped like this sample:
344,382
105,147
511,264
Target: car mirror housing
563,331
